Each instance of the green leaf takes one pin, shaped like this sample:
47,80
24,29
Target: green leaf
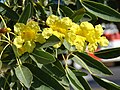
91,62
84,83
43,57
15,50
74,82
106,83
43,87
24,75
108,53
45,78
50,42
101,10
66,10
8,12
56,69
24,57
68,46
77,15
40,8
25,14
0,64
92,16
2,81
81,62
84,65
77,72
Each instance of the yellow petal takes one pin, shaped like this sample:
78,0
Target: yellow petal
18,41
103,41
98,30
66,22
70,37
18,27
86,26
40,38
51,20
57,45
33,25
21,51
75,29
59,35
29,46
47,32
92,47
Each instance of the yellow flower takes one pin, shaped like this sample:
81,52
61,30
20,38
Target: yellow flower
77,35
51,20
58,27
88,32
28,34
87,28
92,47
103,41
98,30
47,32
26,37
93,35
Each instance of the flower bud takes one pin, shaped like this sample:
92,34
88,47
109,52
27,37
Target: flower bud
4,30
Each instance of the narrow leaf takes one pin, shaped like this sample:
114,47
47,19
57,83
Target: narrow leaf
8,12
24,75
0,64
77,15
43,57
91,62
81,62
25,14
50,42
84,83
77,72
66,10
15,50
103,11
55,68
43,87
68,46
73,80
108,53
45,78
106,83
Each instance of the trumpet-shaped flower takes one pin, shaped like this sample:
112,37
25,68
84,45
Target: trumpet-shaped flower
93,35
58,27
77,35
26,37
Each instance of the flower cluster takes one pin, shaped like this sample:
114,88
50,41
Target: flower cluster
26,37
80,36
